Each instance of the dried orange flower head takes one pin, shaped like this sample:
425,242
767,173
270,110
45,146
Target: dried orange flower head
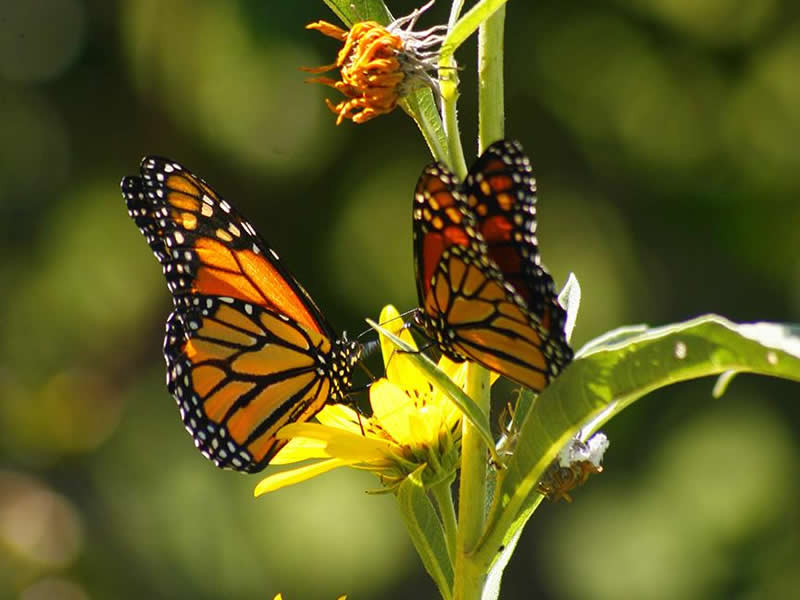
380,65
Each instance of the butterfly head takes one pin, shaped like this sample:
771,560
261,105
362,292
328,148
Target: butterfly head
422,321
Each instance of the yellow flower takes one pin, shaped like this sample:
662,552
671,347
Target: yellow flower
412,424
379,65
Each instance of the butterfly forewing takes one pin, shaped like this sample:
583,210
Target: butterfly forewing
501,189
215,251
141,211
441,220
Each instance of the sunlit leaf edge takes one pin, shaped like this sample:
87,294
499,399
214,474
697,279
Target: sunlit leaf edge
613,374
426,531
353,11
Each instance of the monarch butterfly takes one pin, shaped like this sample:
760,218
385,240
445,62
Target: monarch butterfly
483,293
246,347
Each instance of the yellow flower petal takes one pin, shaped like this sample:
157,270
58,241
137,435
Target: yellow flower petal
426,422
400,370
391,321
391,406
299,449
361,449
339,442
292,476
457,371
339,415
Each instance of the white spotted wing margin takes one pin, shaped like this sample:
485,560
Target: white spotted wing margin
168,185
141,211
239,372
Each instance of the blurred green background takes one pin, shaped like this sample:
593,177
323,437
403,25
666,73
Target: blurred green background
664,134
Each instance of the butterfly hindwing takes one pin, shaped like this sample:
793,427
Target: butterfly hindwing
484,320
239,372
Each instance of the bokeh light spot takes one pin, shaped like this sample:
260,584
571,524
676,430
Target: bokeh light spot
717,22
39,39
38,523
717,484
34,136
244,96
762,118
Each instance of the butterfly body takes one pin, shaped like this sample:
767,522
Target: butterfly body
484,295
247,349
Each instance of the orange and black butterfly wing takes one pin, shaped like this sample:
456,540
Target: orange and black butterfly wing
468,305
441,220
501,189
475,314
141,211
247,349
239,372
213,250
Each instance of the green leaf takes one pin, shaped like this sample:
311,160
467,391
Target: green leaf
613,372
491,588
426,531
353,11
469,23
439,378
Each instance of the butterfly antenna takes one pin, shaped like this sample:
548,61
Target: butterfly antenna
402,316
406,314
364,333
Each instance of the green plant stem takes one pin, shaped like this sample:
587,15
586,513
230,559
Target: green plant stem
455,11
491,116
442,493
471,571
469,576
448,87
449,99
